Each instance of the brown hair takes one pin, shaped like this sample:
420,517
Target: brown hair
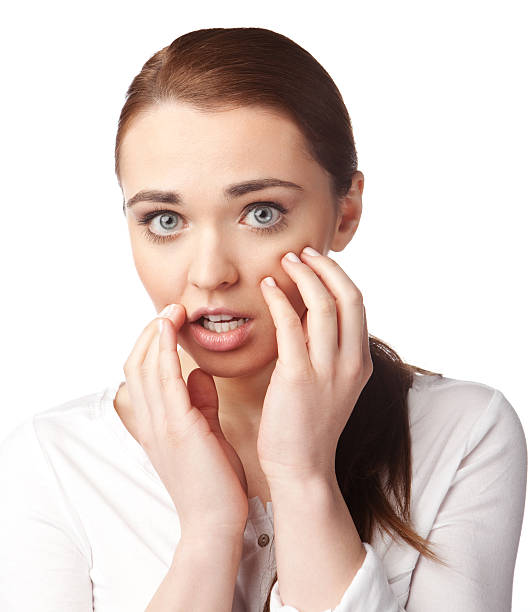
215,68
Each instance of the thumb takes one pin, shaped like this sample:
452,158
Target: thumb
204,397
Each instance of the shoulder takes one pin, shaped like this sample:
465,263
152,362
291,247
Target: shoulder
441,396
445,401
57,423
35,461
452,417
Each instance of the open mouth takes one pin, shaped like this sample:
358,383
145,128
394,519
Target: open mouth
221,335
221,327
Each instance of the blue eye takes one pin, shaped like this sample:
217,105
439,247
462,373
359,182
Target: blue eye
268,206
164,220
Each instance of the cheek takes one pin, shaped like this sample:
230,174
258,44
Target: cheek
162,287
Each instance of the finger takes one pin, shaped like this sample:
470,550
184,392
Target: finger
151,383
204,397
175,407
133,366
322,316
132,371
291,346
365,341
352,330
138,353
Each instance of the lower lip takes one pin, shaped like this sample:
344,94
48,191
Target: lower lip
223,341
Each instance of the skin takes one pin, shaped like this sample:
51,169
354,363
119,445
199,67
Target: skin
216,258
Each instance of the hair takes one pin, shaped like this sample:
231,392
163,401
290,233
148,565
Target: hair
220,68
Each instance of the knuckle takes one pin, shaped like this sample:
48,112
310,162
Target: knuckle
128,368
355,297
292,321
305,375
298,374
326,306
356,366
360,368
144,371
166,381
336,265
166,352
178,430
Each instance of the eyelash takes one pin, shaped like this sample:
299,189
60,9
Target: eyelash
145,220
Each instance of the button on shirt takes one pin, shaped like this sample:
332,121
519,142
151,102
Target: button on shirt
264,538
87,524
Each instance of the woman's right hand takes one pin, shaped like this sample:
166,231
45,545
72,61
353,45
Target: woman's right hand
178,426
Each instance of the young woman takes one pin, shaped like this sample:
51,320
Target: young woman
263,452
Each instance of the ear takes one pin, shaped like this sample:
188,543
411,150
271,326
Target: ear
349,213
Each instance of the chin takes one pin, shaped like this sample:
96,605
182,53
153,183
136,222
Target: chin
245,361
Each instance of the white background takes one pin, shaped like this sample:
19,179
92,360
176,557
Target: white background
440,100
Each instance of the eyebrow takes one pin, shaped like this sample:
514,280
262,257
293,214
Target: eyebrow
232,191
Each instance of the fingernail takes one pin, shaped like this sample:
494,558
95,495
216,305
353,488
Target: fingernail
168,311
292,257
269,281
310,251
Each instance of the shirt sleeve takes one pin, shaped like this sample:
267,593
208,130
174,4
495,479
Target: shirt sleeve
44,563
478,525
476,531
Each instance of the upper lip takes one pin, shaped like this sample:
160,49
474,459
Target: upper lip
214,311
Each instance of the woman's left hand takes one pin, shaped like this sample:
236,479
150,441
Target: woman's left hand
323,364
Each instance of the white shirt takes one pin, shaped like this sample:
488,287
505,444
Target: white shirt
87,524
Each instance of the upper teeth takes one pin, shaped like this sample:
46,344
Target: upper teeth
220,317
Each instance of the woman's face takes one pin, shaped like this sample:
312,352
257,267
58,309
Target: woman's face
213,247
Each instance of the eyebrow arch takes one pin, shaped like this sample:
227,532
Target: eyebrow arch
232,191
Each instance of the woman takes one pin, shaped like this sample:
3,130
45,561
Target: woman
264,452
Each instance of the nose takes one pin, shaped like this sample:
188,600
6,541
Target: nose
213,263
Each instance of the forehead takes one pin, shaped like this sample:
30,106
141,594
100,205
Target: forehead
173,144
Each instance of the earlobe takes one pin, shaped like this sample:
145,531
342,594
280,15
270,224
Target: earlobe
349,214
344,233
358,177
